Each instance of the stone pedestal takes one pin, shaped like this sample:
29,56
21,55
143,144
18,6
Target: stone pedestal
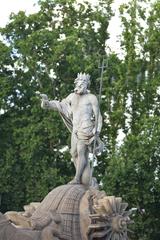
70,212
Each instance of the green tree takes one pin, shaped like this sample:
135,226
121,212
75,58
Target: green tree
43,52
133,168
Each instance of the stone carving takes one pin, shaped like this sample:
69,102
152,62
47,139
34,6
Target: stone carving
30,208
81,114
65,200
8,231
109,219
18,219
71,212
22,218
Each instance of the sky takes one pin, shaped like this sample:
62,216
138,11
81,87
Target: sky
8,6
30,6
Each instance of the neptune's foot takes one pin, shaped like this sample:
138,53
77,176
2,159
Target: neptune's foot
74,181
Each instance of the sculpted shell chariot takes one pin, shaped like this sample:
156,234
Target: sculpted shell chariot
71,212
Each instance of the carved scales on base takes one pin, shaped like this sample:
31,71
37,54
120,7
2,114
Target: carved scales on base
72,212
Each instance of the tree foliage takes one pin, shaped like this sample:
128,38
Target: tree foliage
44,52
133,167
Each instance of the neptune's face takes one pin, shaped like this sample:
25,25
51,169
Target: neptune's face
80,87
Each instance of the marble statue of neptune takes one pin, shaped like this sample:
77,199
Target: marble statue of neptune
81,114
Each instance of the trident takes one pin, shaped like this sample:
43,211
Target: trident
102,65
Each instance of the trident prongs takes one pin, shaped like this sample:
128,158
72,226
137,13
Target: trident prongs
103,63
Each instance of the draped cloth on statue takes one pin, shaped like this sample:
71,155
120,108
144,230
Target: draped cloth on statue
65,112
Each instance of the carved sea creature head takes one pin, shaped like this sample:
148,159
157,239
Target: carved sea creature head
82,83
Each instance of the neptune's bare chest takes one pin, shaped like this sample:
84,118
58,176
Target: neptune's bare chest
80,102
